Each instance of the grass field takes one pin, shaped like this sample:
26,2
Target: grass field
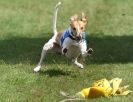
25,25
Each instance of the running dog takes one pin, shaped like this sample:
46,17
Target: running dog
71,41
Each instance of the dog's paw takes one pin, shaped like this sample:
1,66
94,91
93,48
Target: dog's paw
79,65
90,51
64,50
36,69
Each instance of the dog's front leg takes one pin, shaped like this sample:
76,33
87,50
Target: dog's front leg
84,51
65,46
49,45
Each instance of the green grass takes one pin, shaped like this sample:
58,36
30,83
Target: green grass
25,25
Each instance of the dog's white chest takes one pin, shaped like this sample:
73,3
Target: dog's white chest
72,52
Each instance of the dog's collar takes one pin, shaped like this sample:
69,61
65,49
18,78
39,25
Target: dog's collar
70,36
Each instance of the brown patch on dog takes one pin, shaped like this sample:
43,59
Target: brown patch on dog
58,37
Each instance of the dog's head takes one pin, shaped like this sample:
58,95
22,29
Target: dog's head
78,26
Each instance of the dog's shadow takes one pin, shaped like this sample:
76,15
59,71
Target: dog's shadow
54,72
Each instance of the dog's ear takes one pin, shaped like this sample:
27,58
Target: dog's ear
84,18
73,18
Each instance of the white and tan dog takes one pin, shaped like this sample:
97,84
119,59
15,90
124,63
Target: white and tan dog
72,41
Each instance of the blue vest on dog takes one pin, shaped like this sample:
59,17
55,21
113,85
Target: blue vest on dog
65,34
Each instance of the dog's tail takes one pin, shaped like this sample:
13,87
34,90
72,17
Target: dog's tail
55,17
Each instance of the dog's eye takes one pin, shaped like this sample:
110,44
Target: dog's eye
74,28
82,28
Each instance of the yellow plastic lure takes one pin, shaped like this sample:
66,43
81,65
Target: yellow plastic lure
101,88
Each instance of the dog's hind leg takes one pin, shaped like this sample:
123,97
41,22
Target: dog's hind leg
77,63
48,46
